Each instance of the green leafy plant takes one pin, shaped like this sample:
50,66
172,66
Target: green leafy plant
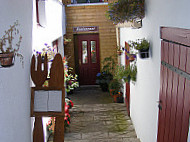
139,44
125,10
106,75
126,73
115,86
70,79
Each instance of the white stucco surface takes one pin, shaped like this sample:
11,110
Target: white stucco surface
52,20
145,93
51,15
15,121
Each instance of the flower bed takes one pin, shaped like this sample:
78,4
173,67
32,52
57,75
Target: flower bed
51,123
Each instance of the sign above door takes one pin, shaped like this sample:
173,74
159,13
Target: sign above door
85,29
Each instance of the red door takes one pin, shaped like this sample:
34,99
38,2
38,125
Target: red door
174,103
127,98
89,62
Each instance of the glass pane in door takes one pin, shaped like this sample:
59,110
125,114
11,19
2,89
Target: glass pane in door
84,52
93,51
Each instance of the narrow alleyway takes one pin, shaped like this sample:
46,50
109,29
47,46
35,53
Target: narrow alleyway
95,118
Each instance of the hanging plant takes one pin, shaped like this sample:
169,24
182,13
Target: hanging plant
126,74
126,10
142,45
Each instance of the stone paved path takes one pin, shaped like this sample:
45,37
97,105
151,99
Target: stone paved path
95,121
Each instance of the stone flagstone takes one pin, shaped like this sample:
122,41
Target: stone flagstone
100,123
95,118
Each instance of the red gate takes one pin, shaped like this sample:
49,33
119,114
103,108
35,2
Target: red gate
174,103
127,98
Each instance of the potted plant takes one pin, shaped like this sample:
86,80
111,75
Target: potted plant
103,79
142,45
7,50
126,10
66,40
106,75
119,50
126,73
115,89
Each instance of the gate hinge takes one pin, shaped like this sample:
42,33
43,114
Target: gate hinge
176,70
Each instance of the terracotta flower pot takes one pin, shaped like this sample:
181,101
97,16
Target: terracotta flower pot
119,53
6,59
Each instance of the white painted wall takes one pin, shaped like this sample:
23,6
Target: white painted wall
53,27
52,18
15,81
145,93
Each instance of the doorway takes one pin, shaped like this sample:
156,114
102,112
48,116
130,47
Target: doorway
87,58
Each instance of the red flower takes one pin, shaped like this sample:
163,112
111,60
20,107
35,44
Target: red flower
71,103
67,115
68,122
66,108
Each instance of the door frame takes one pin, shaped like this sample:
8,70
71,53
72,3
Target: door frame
76,51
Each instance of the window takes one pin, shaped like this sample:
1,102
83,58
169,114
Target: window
84,52
93,51
37,12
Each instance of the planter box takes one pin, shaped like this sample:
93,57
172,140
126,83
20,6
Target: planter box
6,59
144,54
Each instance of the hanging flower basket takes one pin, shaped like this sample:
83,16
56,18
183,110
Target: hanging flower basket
119,53
142,45
130,57
7,59
126,10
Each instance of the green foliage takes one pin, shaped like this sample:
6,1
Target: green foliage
127,74
140,44
125,10
114,86
106,75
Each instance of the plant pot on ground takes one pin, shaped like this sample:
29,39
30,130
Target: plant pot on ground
103,79
106,75
120,98
114,88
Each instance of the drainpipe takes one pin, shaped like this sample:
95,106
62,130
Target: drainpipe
118,42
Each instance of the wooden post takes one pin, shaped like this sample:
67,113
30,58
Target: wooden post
56,81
